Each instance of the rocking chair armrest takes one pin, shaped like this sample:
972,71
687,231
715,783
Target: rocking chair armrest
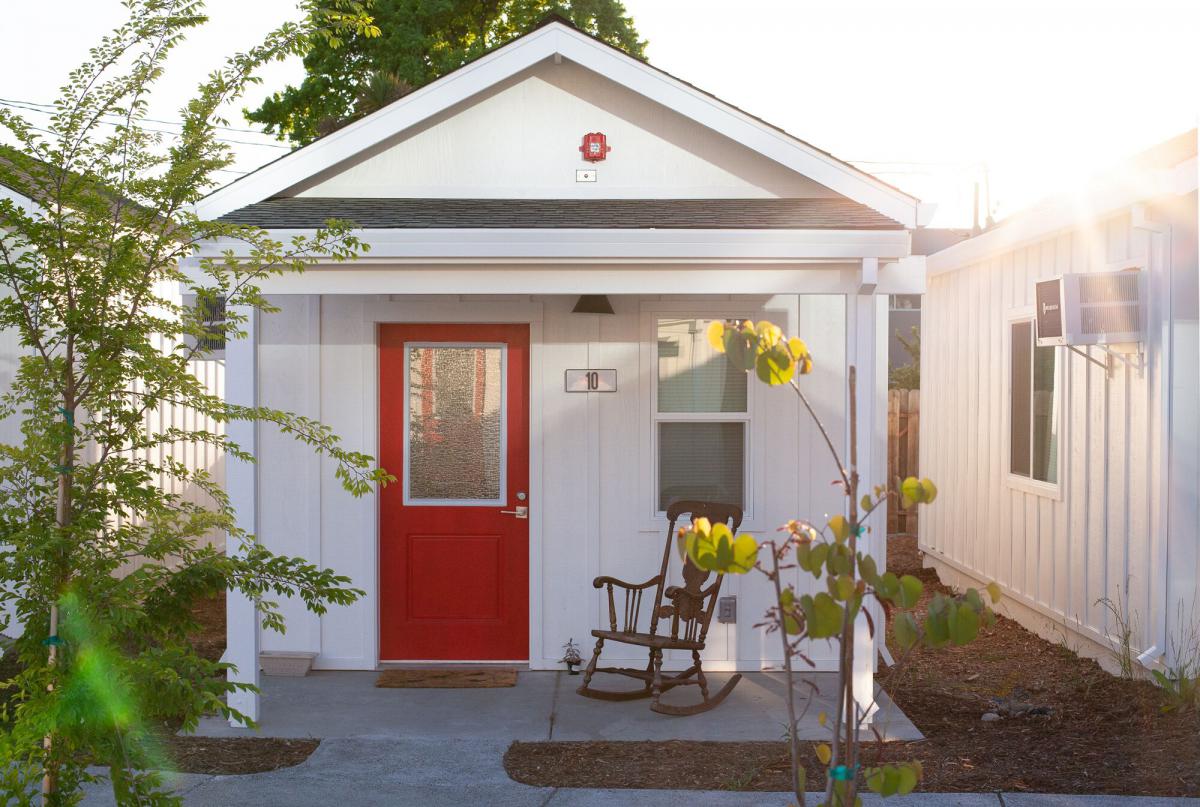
602,581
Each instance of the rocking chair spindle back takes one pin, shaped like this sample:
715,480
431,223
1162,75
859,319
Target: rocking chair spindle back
688,607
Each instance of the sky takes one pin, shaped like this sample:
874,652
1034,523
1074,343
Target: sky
1025,97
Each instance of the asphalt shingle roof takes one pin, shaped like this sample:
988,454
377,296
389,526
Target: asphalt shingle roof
666,214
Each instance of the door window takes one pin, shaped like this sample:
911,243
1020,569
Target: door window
454,410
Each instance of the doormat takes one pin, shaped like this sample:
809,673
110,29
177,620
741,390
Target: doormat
447,678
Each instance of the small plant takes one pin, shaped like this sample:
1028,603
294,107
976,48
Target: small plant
571,656
831,552
1180,681
1125,623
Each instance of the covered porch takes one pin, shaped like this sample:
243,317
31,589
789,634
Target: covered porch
592,468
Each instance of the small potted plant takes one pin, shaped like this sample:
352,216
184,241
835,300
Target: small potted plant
571,656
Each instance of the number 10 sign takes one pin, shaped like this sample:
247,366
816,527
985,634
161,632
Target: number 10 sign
591,380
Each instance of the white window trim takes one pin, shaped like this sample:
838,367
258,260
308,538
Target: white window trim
1048,490
651,312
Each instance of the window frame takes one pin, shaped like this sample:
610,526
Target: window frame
1027,484
751,452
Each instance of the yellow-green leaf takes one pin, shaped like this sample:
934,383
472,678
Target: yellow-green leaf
824,753
716,335
993,590
929,491
840,527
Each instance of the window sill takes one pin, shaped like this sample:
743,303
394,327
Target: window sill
1023,484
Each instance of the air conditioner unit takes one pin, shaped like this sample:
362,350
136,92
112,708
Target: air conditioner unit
1095,308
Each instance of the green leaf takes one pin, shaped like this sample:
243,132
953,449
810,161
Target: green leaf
774,366
841,587
868,569
910,591
963,623
823,614
904,630
888,586
740,347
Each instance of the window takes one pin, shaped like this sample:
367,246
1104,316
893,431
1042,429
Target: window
1033,407
701,417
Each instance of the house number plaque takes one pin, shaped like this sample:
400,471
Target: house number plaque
591,380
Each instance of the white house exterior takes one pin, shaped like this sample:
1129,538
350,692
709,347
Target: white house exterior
1108,506
469,194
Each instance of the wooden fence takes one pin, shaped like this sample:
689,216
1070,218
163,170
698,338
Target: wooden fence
904,430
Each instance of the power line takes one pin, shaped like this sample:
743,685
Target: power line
152,120
31,108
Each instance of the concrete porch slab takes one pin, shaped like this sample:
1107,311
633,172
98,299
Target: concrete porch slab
542,706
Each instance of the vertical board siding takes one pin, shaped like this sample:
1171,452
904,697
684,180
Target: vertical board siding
194,457
1062,554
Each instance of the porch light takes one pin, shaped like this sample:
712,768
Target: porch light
593,304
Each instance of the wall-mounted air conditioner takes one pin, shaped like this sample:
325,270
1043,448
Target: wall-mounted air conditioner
1096,308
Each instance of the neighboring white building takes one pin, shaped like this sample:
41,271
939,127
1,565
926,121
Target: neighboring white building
485,221
1074,484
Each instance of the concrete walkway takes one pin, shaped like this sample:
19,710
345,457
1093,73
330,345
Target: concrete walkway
393,772
445,748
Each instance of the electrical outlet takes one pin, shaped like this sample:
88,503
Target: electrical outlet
727,610
585,175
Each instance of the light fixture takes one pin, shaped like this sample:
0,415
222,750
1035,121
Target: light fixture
593,304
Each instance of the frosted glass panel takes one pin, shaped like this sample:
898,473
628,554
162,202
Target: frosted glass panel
703,461
455,423
692,377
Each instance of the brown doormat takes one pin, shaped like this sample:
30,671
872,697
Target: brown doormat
447,678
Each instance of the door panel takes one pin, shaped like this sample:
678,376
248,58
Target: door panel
454,554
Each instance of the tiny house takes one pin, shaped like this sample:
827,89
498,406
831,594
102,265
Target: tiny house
552,228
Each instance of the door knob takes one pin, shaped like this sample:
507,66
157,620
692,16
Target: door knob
520,512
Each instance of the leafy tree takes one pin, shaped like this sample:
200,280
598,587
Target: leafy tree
908,376
421,40
831,552
88,278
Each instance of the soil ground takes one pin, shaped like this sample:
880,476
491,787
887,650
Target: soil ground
1066,726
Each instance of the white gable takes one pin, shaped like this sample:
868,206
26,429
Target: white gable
485,77
521,140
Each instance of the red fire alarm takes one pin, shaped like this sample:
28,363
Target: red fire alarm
595,148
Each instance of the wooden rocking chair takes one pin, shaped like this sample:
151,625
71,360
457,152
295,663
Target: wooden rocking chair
690,609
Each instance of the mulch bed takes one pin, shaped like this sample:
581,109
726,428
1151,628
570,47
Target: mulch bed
236,755
1067,726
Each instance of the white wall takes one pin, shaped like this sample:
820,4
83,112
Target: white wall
1125,515
590,505
520,139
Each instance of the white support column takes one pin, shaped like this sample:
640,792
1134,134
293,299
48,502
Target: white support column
241,483
867,350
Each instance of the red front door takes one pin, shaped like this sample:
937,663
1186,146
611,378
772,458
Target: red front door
453,530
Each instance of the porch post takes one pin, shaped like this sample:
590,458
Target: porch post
241,483
867,331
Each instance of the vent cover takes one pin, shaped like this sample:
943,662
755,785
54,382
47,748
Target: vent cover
1101,308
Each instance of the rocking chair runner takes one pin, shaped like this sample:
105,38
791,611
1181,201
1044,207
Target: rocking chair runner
690,609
